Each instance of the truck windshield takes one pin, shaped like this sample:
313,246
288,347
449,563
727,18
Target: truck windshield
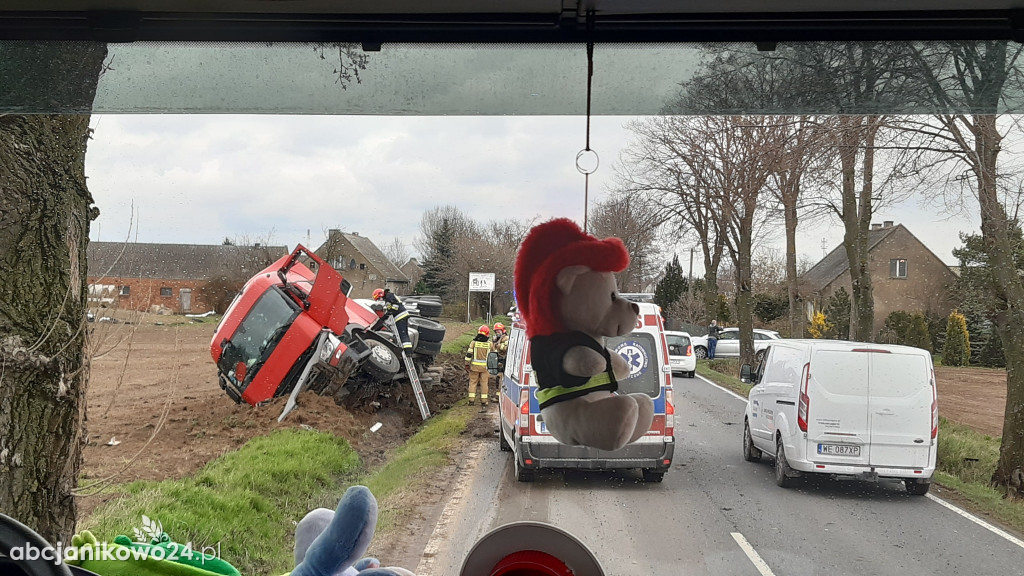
256,336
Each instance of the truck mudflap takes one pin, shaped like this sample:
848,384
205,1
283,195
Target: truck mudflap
652,453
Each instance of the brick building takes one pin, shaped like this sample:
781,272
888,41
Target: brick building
184,278
359,260
905,275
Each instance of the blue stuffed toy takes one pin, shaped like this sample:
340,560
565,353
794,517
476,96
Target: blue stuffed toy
331,543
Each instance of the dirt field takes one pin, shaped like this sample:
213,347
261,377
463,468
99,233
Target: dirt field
973,396
170,377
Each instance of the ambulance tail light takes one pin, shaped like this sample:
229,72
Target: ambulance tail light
670,413
935,409
524,412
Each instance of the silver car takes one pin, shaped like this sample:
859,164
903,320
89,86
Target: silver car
729,343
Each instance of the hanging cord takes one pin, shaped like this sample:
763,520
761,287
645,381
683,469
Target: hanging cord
580,160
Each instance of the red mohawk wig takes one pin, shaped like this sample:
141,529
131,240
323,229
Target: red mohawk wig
546,250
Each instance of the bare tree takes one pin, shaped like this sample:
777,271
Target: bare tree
397,252
638,225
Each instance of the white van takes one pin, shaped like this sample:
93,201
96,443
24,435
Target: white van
844,408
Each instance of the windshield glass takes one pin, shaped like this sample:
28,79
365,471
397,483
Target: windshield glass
866,192
257,336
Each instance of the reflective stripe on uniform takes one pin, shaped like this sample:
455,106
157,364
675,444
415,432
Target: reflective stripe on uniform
402,316
545,395
472,354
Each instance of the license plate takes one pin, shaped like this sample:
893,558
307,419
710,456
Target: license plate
839,450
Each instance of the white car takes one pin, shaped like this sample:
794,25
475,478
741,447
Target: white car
680,353
847,409
729,343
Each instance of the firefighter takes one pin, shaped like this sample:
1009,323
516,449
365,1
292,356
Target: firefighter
476,364
394,307
500,345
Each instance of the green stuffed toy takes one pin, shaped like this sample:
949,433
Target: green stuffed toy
159,557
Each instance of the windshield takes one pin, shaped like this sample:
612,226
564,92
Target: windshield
257,336
867,192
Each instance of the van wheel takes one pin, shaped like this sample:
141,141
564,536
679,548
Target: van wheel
652,475
522,474
701,352
783,473
750,453
915,488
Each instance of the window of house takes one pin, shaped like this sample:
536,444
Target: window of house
362,266
898,268
126,290
165,292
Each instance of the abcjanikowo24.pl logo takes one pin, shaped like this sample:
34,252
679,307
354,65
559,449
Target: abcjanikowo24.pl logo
151,543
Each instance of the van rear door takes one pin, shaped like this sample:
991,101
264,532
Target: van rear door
838,429
900,410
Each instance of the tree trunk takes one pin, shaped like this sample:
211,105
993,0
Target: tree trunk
796,324
995,227
857,214
744,307
45,210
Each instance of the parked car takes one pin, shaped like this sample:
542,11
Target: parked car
729,343
680,353
868,411
522,429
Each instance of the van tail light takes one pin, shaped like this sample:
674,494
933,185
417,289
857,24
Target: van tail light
670,414
805,401
524,412
689,350
935,409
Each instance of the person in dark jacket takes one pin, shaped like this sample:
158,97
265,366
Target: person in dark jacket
713,333
394,308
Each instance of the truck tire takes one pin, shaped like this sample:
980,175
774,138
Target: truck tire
428,348
382,364
429,308
427,297
429,330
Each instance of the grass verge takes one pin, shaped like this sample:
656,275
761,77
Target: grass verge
965,461
244,504
460,344
711,369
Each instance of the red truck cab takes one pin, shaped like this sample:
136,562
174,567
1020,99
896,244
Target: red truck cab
268,334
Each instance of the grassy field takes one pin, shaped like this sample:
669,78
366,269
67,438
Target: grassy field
246,501
965,461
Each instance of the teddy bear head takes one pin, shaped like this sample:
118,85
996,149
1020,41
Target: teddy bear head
564,280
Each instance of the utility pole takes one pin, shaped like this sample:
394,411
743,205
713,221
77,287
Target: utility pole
690,277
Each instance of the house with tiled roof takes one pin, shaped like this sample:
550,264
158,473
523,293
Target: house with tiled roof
905,275
182,278
363,264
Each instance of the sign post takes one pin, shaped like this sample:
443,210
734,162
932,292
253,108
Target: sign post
480,282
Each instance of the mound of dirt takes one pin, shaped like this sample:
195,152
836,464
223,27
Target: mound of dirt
169,368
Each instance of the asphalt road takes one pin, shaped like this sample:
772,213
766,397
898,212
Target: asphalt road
718,515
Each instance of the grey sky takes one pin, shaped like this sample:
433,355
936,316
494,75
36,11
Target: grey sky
200,178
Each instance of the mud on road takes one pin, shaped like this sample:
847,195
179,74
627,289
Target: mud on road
155,410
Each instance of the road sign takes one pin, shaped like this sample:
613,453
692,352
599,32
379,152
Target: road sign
481,281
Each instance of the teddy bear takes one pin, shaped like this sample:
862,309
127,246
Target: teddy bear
567,294
327,543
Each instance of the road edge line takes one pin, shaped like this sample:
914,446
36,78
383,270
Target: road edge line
433,547
722,388
752,555
991,528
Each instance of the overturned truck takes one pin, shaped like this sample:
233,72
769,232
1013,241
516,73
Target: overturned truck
293,328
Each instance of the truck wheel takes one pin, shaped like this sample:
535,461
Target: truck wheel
915,488
783,473
701,352
750,453
430,330
652,475
428,348
382,363
429,308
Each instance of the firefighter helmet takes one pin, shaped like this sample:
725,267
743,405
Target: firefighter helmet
378,293
499,326
484,330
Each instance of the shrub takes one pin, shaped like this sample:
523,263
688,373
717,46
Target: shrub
957,351
838,311
917,334
820,327
769,307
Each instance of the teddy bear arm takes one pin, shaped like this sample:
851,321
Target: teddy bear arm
583,361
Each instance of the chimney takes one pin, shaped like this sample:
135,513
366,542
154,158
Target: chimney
334,232
876,226
887,224
256,245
